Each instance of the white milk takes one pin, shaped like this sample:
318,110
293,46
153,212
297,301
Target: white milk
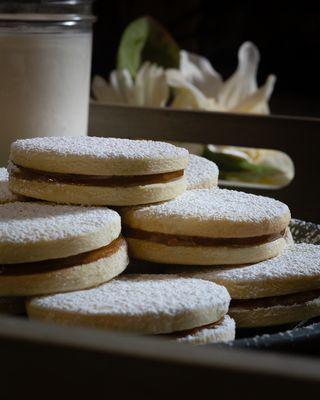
44,85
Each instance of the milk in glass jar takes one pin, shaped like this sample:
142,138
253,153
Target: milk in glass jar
45,62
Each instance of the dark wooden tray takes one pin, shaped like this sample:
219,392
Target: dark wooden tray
298,137
49,361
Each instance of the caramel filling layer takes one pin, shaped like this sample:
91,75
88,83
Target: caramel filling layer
61,263
193,331
93,180
285,300
184,240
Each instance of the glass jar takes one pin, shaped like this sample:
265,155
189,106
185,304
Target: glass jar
45,64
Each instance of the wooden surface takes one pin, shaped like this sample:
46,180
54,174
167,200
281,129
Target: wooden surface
38,358
298,137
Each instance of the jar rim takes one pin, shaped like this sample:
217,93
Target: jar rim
46,10
48,17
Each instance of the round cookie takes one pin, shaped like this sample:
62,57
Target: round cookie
277,291
276,310
201,173
221,331
207,227
187,271
97,171
6,196
296,270
46,248
148,304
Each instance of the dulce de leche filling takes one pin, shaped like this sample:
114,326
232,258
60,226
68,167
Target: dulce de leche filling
193,331
93,180
61,263
184,240
285,300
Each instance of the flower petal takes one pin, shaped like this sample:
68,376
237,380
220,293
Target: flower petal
188,96
159,92
121,82
243,82
257,102
151,88
103,92
198,71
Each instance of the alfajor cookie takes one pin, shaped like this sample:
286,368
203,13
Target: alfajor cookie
46,248
276,310
277,291
207,227
201,173
6,196
97,171
145,304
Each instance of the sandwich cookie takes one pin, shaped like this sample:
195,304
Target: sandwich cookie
145,304
6,196
47,248
201,173
147,267
277,310
277,291
97,171
207,227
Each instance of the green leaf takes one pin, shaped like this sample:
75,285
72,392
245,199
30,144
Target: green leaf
227,162
145,39
232,167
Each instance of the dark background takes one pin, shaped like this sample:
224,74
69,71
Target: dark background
287,35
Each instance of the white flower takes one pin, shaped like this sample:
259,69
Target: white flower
149,89
196,85
199,86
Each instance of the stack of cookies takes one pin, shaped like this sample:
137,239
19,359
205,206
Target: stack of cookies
66,248
237,240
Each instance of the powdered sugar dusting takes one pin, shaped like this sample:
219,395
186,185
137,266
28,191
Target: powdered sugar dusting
99,147
33,222
6,195
139,295
296,261
201,173
216,204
